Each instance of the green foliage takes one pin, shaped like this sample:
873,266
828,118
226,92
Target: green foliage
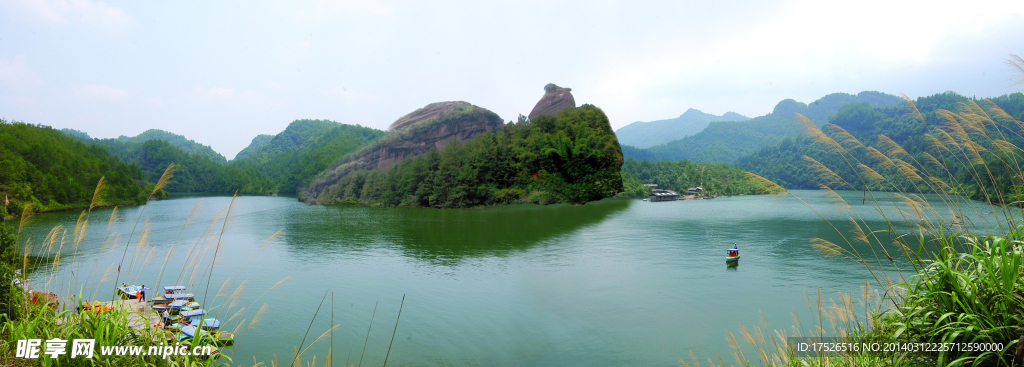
572,157
258,142
966,297
726,142
10,294
193,173
42,166
184,144
857,127
678,176
304,149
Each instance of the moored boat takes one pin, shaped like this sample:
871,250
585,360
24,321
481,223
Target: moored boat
130,291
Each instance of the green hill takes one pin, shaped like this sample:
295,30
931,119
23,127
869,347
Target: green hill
571,157
257,142
727,141
186,145
53,171
304,149
784,163
193,172
647,134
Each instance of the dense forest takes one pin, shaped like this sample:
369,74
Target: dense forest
726,142
50,170
965,143
193,173
303,150
715,178
571,157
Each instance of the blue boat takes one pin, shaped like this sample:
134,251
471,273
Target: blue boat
130,291
172,293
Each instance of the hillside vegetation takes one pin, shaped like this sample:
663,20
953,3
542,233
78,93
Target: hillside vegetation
923,137
303,150
571,157
184,144
647,134
715,178
726,142
50,170
193,172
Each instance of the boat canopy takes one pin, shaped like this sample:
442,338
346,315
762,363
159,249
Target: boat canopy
177,304
210,323
199,312
178,296
174,288
189,331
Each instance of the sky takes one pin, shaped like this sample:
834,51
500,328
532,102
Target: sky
221,73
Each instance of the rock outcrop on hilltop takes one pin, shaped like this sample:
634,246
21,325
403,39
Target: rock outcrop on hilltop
433,126
555,99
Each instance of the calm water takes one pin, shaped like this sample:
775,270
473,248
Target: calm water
608,283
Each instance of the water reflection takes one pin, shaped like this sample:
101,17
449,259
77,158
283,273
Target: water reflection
442,237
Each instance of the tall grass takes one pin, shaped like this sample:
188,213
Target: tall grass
946,276
62,277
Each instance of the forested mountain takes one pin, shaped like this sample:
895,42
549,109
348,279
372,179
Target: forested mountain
257,142
725,142
571,157
186,145
304,149
948,137
45,167
715,178
193,172
647,134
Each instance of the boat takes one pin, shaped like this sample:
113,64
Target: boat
130,291
195,318
224,338
173,293
175,326
733,255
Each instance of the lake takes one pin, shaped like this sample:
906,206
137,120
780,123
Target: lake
615,282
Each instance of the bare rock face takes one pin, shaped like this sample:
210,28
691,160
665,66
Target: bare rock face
433,126
555,99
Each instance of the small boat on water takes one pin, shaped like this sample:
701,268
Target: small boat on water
195,318
130,291
224,338
733,255
173,293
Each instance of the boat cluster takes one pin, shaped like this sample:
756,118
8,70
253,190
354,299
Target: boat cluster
182,316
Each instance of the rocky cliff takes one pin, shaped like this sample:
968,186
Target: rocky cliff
433,126
555,99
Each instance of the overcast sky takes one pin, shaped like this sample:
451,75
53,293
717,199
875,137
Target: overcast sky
222,73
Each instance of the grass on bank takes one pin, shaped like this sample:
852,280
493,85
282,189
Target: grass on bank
21,318
948,283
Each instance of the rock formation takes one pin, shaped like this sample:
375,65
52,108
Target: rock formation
555,99
433,126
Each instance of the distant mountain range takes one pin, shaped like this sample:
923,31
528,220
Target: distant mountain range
647,134
728,141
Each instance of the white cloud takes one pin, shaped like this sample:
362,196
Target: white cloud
16,75
63,12
101,92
